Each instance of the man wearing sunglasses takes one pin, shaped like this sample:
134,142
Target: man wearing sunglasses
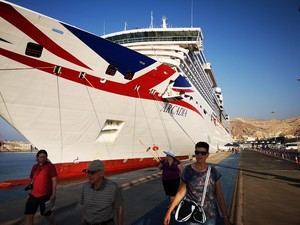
192,187
101,199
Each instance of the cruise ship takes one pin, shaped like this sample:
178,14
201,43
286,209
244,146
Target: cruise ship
123,98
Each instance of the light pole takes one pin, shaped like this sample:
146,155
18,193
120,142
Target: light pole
273,134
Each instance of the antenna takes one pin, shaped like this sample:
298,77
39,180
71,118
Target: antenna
164,22
104,28
192,9
125,25
151,23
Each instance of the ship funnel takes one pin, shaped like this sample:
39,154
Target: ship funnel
164,22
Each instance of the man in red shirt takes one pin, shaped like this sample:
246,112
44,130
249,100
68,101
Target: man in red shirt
42,189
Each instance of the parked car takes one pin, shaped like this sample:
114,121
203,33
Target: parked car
292,146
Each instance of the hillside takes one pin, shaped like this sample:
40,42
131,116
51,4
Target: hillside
242,128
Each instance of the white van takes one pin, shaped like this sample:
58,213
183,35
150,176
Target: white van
292,146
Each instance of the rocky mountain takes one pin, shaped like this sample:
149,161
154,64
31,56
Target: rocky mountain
242,128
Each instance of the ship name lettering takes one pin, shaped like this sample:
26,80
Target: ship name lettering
174,110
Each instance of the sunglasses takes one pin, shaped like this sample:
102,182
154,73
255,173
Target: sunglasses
200,153
91,172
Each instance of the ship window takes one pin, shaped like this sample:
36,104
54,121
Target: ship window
33,49
129,75
111,70
57,70
82,75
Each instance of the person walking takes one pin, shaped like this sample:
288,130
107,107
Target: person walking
42,189
171,170
101,199
192,186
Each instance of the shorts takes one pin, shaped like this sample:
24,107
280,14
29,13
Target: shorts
33,203
171,186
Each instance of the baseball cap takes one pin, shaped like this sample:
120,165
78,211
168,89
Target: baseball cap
95,165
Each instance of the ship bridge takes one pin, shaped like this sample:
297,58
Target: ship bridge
188,38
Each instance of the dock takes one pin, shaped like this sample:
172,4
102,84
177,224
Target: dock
268,190
151,203
258,189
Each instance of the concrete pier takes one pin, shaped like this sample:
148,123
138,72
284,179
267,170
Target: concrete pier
269,190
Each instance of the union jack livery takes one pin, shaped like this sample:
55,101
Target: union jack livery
123,98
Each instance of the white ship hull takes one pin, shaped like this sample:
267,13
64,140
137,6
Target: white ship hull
96,116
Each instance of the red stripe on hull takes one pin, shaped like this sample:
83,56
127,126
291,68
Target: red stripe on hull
146,81
14,17
72,171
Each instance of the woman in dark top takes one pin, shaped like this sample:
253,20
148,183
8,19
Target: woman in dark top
192,186
171,170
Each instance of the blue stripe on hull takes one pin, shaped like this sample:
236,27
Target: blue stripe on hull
124,59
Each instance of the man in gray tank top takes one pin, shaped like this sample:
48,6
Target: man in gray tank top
101,199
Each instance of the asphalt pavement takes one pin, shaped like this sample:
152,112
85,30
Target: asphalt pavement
269,190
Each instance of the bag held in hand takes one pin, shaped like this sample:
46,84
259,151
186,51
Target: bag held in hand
189,210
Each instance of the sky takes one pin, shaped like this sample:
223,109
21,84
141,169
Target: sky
253,46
